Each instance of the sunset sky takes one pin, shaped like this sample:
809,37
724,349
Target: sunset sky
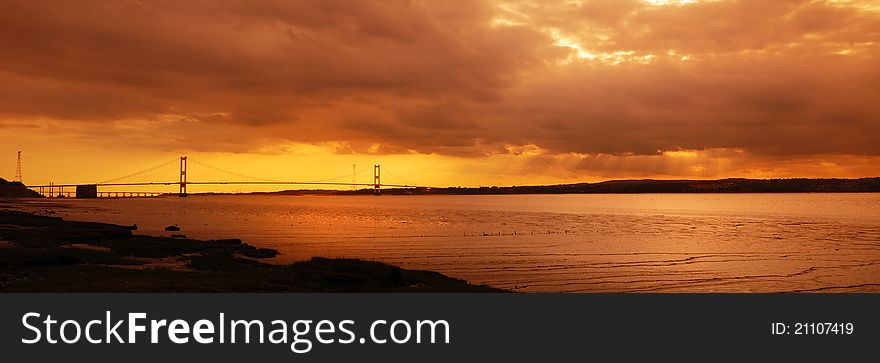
441,92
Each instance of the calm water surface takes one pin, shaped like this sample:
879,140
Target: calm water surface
573,243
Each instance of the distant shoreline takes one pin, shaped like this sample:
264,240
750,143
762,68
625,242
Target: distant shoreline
642,186
630,186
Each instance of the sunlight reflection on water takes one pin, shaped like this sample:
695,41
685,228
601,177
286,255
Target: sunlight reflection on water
643,242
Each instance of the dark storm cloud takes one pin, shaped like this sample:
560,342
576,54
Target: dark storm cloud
461,78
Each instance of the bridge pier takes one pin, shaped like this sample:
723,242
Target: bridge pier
87,191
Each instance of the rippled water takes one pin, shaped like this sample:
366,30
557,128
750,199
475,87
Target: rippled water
575,243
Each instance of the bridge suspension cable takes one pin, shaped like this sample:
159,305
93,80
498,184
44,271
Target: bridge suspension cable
396,176
252,180
172,161
230,172
345,176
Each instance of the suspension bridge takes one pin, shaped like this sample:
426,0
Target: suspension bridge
91,190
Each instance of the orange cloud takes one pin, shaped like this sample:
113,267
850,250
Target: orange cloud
617,85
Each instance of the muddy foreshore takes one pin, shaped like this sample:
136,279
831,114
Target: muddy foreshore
49,254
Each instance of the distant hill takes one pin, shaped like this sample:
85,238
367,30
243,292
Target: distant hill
794,185
733,185
10,189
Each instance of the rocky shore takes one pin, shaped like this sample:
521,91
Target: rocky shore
49,254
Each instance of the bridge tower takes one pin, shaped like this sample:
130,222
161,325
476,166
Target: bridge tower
18,169
182,192
377,184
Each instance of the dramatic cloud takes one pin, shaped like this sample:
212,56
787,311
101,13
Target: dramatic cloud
603,88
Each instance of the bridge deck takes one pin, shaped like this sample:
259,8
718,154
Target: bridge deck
227,183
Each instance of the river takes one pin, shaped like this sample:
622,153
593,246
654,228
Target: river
546,243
